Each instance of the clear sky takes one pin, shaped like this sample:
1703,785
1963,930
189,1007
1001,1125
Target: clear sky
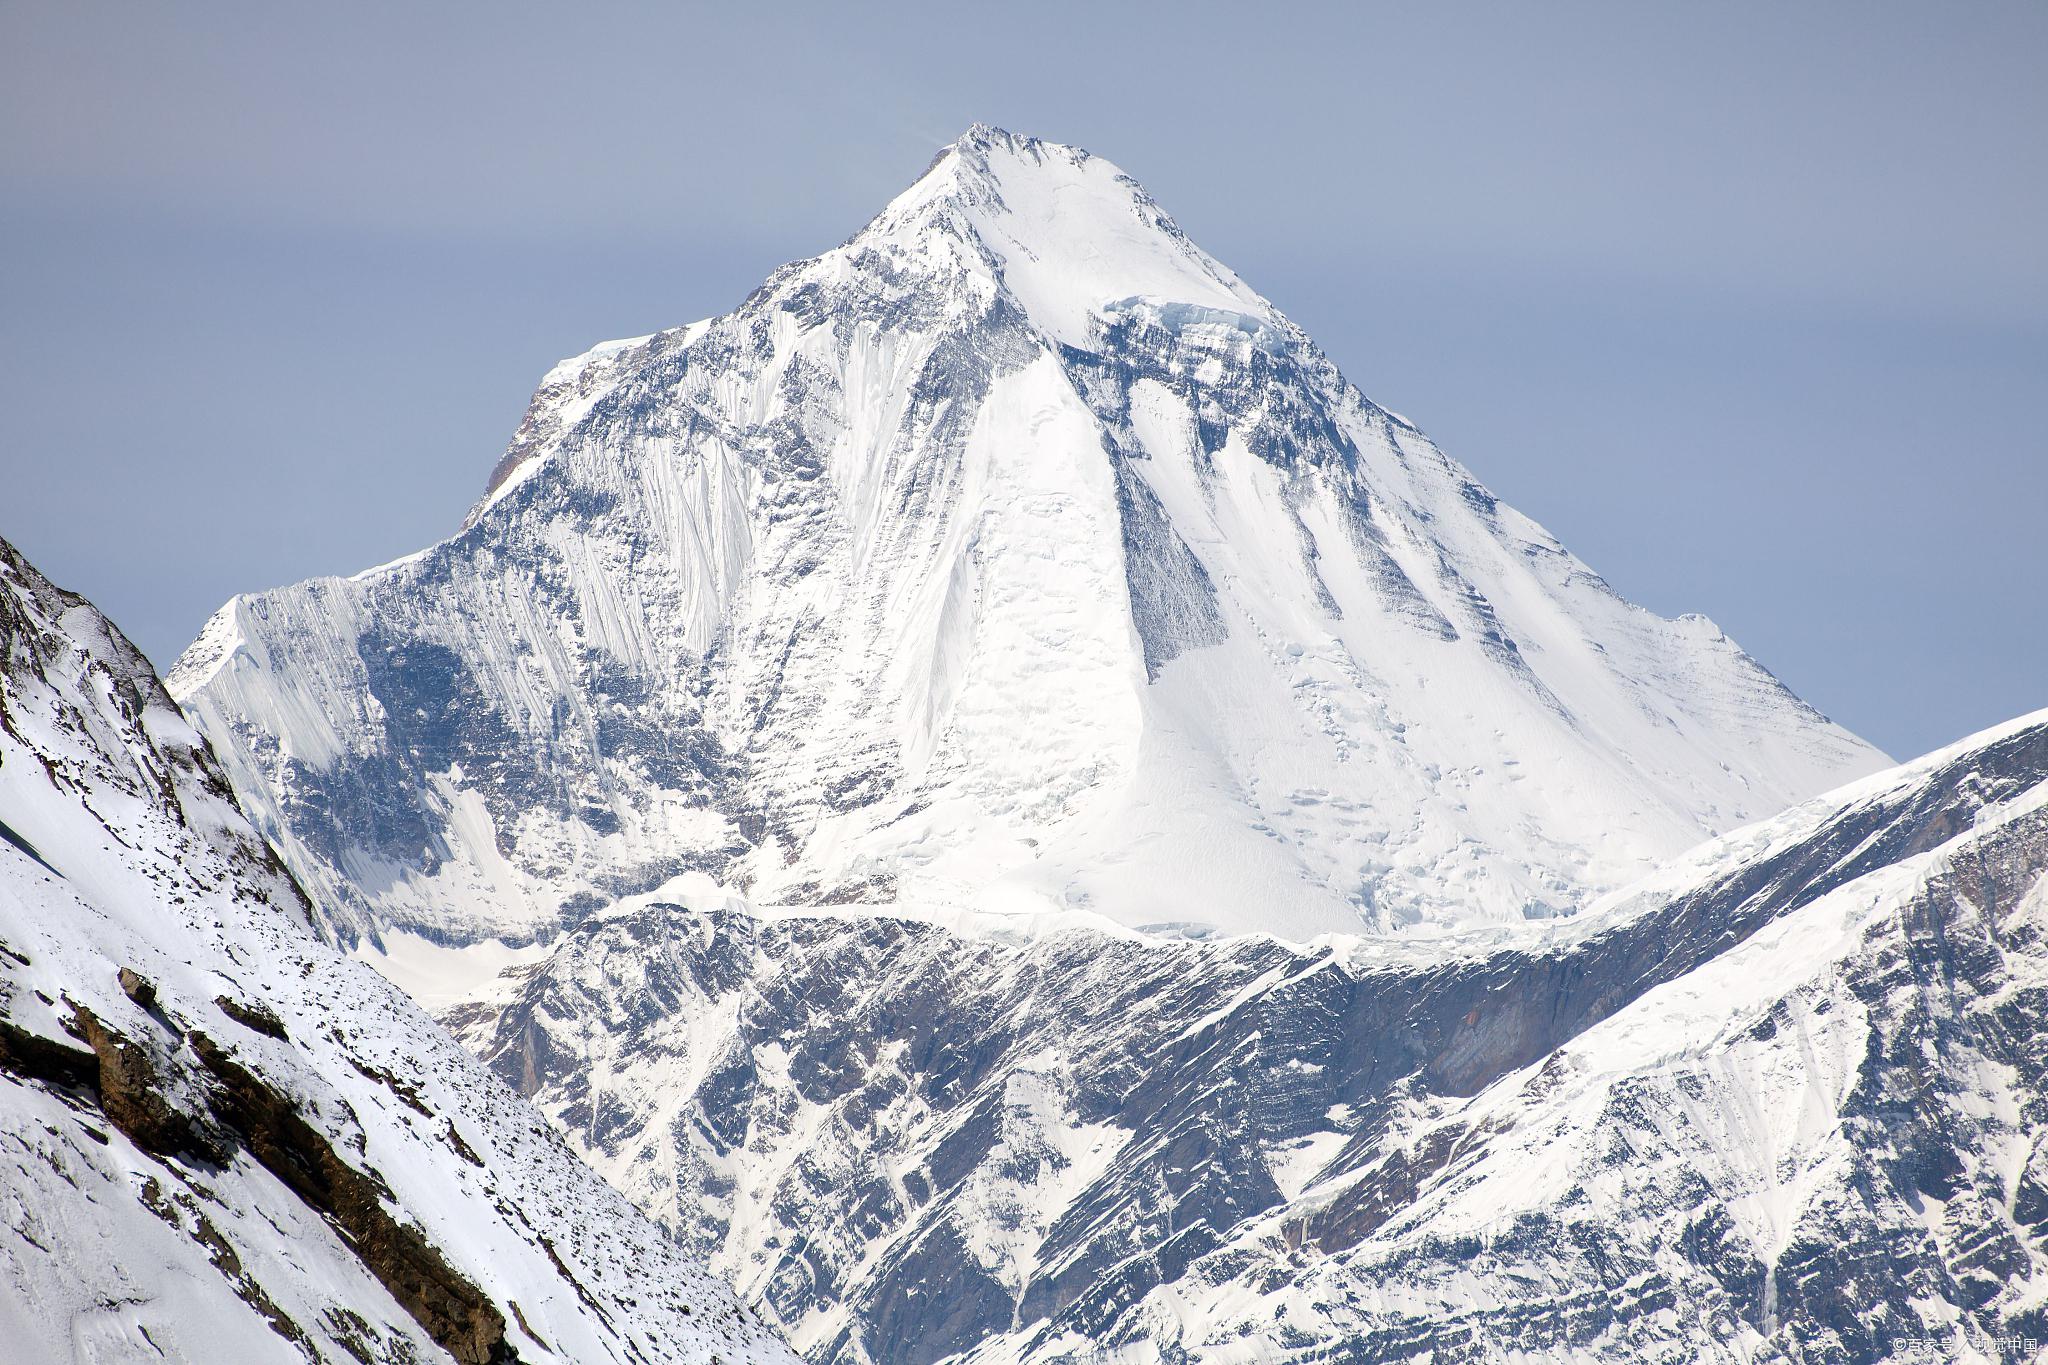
1747,302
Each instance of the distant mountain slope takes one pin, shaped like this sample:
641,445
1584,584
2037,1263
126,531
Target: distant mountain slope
221,1141
1012,556
1786,1100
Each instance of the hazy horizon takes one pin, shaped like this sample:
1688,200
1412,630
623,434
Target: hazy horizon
1750,308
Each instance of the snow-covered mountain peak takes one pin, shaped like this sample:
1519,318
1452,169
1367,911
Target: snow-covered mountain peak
1012,555
1068,234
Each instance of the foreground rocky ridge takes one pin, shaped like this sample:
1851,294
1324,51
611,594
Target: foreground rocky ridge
1013,556
219,1139
1784,1101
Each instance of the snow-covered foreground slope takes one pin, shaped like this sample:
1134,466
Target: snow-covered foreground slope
222,1141
1782,1101
1012,556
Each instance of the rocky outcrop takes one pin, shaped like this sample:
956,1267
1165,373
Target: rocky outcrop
131,1086
454,1312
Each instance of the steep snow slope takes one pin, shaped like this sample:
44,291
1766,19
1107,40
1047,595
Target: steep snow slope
1786,1100
1012,556
220,1140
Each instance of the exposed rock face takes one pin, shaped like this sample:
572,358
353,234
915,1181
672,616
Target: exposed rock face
222,1141
141,1090
139,1094
454,1312
1012,556
1784,1101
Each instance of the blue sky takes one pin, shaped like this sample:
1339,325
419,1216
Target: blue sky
1748,303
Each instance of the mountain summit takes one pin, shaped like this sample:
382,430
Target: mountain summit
1013,556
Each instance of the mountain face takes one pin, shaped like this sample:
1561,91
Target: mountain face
1786,1100
1033,823
1012,557
222,1141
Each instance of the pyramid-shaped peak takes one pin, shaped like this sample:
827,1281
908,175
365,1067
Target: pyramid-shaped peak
987,134
1009,555
981,161
987,146
984,135
1072,234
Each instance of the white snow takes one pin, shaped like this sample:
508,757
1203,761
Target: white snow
108,1253
438,976
863,540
